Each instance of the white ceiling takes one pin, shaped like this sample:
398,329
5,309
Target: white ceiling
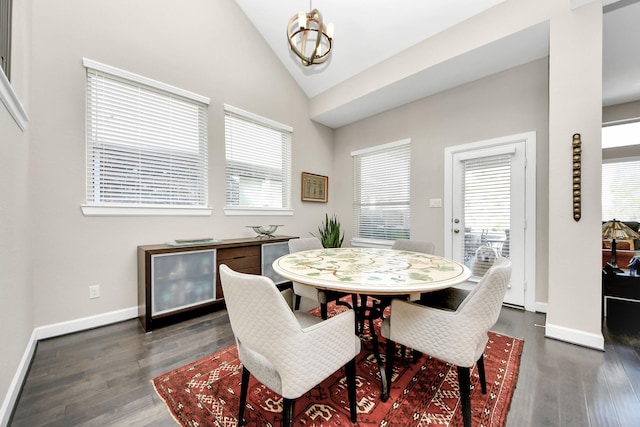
621,52
369,31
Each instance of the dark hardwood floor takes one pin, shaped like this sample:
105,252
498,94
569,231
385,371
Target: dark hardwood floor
102,377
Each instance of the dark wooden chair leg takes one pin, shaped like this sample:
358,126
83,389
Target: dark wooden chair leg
350,370
354,301
464,382
324,314
363,311
481,374
244,386
287,411
390,354
296,305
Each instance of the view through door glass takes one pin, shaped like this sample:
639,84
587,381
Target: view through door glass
487,209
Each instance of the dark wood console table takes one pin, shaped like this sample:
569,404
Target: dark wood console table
176,282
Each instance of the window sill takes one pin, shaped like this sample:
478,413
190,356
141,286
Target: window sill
231,211
11,101
91,210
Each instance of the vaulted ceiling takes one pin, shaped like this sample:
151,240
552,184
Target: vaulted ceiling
367,32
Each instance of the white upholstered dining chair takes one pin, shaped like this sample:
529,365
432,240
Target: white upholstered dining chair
288,351
320,296
450,298
457,337
414,245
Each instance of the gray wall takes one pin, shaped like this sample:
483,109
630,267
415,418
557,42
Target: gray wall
507,103
208,48
621,113
16,312
15,288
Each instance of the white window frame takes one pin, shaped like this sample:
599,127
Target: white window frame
369,242
12,102
287,133
7,94
107,208
5,36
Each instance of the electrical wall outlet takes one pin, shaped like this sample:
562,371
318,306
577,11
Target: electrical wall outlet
94,291
435,203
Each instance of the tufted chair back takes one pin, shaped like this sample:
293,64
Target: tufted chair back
415,246
482,305
302,290
304,244
289,352
457,337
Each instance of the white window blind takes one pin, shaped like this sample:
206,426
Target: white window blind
621,190
382,190
258,159
487,191
487,200
146,145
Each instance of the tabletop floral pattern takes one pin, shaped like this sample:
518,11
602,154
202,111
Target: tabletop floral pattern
370,269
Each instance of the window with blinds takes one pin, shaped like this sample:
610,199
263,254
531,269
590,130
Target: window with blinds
5,37
258,160
382,190
146,142
621,190
487,203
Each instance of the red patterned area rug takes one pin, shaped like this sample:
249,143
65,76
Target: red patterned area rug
207,392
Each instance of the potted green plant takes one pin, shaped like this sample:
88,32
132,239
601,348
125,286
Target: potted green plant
329,232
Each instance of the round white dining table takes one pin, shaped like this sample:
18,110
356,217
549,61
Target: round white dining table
371,271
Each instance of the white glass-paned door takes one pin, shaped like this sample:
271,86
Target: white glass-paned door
489,211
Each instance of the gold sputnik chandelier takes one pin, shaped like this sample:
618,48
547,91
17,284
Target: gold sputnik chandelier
309,38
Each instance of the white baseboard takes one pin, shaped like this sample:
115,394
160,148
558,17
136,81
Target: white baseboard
574,336
51,331
541,307
18,379
84,323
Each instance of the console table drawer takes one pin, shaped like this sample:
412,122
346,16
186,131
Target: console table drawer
244,260
227,254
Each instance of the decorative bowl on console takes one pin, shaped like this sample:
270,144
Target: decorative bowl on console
265,232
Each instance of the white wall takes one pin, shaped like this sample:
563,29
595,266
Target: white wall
207,47
621,112
16,313
575,106
507,103
15,288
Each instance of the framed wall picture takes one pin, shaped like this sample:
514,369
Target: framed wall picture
315,188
